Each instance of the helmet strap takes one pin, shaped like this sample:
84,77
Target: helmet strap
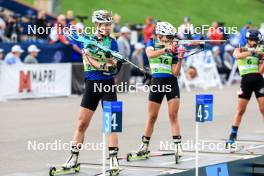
98,31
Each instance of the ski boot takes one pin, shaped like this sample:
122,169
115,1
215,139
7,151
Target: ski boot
114,165
71,166
142,153
231,143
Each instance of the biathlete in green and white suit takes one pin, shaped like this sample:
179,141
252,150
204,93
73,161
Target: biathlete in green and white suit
165,63
95,66
251,67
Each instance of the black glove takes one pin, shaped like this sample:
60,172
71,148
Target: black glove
108,54
114,70
111,68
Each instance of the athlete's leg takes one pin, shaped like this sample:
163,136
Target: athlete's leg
155,99
111,96
173,108
173,98
261,105
113,140
259,92
246,89
84,118
153,110
112,137
241,108
89,104
244,96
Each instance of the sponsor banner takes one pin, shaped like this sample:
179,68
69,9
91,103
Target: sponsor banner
34,81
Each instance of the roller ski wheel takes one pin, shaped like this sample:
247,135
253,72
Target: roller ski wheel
138,156
54,171
129,156
114,172
78,167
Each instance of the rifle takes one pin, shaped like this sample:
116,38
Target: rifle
93,46
259,51
195,42
199,43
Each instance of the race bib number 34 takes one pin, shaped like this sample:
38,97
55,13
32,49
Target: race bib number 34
112,116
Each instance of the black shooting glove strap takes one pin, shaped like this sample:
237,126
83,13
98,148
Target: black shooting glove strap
114,70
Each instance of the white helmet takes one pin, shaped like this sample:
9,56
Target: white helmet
102,16
165,28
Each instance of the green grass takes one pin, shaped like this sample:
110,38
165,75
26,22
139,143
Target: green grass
232,12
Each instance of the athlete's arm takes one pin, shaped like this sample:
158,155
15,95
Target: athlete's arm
261,69
238,54
151,53
261,64
106,66
176,68
77,49
89,59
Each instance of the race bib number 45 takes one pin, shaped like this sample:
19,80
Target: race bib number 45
204,108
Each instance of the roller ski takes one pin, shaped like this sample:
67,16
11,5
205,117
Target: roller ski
234,147
142,153
70,167
178,150
61,171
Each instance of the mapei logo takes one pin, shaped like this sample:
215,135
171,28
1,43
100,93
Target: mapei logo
24,81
